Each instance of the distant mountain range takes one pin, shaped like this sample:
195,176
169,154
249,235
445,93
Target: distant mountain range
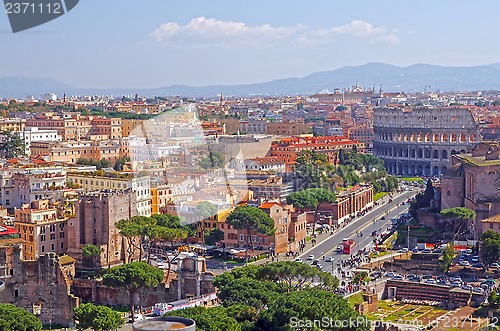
414,78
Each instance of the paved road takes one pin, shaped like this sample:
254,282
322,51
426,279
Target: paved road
364,224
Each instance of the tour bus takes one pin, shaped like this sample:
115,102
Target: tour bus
349,246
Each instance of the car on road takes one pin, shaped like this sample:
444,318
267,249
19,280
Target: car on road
427,277
467,287
415,250
495,265
390,274
319,266
475,258
477,265
403,250
456,284
464,263
297,259
427,251
315,262
430,281
310,257
478,290
398,277
456,279
329,259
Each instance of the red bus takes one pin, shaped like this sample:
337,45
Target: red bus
349,246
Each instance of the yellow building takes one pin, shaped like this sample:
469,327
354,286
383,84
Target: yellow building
161,196
216,221
41,229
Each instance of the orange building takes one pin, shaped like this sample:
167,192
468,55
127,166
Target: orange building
287,149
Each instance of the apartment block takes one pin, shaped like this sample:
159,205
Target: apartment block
96,181
41,229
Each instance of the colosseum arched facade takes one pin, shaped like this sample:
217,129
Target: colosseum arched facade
420,141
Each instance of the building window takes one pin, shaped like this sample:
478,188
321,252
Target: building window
52,247
491,225
62,245
43,248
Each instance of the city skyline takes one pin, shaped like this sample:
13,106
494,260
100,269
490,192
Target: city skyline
158,44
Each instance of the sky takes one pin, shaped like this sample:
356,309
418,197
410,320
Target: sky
154,43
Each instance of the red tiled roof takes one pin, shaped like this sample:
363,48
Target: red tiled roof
267,205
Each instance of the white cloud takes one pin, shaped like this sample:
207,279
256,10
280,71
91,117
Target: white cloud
357,28
210,30
205,31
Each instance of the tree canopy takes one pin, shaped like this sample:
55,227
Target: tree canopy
310,198
11,146
209,319
13,318
212,161
97,318
490,251
271,296
133,277
251,219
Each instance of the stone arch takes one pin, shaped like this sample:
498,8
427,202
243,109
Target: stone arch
435,171
413,154
453,152
435,137
420,154
427,152
16,293
463,137
472,137
427,170
406,137
412,170
406,170
420,137
444,154
436,154
412,137
462,151
443,170
420,170
406,152
427,137
453,137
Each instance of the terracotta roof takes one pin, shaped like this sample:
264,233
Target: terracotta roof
267,205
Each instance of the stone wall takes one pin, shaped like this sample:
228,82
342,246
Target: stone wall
41,288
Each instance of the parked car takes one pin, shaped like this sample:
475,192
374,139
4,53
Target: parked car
398,277
456,279
464,263
297,259
310,257
475,258
390,274
427,277
403,250
495,265
427,251
430,281
456,284
467,287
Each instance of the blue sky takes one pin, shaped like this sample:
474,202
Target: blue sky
153,43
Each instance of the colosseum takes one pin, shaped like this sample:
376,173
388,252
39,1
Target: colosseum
420,141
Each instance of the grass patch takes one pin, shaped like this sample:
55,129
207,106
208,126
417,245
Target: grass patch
379,195
355,299
411,179
308,238
380,254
